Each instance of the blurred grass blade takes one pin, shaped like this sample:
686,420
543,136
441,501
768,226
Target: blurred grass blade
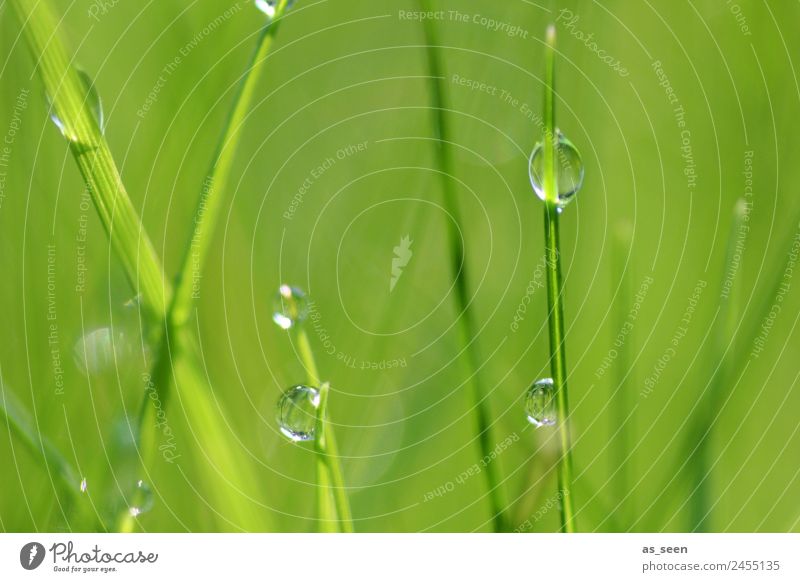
68,95
555,291
21,424
458,267
724,342
621,390
227,475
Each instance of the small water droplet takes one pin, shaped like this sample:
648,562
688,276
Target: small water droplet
269,7
540,405
133,302
142,499
290,308
297,412
83,485
569,170
91,100
101,350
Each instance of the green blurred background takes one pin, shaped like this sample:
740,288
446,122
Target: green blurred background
345,73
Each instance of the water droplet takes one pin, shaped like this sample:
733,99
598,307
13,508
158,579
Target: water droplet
291,307
540,405
142,499
297,412
100,350
92,101
569,170
133,302
83,485
269,7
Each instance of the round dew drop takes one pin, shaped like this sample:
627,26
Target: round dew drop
297,412
569,170
142,499
91,100
100,351
290,307
540,403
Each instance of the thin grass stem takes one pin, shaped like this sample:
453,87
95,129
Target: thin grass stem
213,193
555,296
700,432
621,390
334,506
480,402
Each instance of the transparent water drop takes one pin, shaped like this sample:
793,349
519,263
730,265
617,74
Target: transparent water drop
83,485
91,100
100,351
290,308
297,412
569,170
269,7
142,499
133,302
540,403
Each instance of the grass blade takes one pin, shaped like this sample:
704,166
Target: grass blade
209,206
621,392
480,402
212,196
700,431
67,92
20,423
555,297
333,504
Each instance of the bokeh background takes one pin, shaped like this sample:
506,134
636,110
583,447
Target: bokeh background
345,73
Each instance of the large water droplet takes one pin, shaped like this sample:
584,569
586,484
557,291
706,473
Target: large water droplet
569,170
269,7
540,405
142,499
83,485
101,350
91,100
297,412
290,308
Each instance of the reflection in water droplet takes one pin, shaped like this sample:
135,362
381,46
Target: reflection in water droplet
83,485
142,499
269,7
540,403
100,350
569,170
290,307
91,100
297,412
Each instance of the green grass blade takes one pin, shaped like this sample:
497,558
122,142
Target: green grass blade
620,392
209,206
699,442
213,193
334,507
494,480
332,501
67,93
22,425
555,296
